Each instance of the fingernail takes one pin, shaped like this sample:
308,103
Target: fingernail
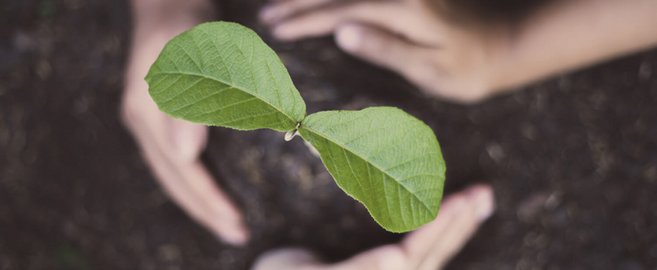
484,201
349,37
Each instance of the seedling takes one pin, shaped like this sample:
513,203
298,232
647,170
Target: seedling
223,74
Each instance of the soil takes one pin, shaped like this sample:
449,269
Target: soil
573,159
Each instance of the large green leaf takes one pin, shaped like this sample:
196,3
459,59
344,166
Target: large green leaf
223,74
384,158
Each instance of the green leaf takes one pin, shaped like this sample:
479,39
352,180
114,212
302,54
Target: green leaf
223,74
383,157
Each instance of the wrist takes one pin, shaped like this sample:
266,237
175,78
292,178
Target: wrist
499,74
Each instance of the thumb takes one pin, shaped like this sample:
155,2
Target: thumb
377,46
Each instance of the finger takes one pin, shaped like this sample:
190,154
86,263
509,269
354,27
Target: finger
289,258
189,139
388,257
282,9
430,246
381,48
423,238
411,21
413,250
474,206
324,21
419,242
190,185
459,231
223,215
171,151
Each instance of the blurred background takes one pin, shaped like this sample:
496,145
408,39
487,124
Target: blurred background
573,160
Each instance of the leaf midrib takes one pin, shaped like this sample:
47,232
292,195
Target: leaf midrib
229,84
373,165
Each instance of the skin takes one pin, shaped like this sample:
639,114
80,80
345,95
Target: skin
446,53
427,248
172,147
462,58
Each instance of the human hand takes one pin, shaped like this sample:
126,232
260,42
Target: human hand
172,147
447,57
427,248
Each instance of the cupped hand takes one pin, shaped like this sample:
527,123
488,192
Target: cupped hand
448,57
427,248
172,147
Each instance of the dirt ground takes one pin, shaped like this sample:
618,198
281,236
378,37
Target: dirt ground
573,159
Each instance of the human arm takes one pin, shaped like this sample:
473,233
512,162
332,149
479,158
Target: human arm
464,58
566,35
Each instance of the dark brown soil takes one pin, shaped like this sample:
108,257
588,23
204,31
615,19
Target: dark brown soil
573,160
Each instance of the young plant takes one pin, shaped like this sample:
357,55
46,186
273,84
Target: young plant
223,74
